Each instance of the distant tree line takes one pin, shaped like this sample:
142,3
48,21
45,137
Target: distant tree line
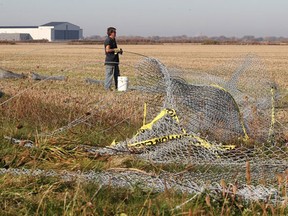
186,39
7,42
205,40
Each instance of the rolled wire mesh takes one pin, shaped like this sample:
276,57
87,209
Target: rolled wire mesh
206,114
184,183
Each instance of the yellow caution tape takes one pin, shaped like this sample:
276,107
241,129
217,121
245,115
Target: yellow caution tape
145,113
197,142
155,141
113,143
164,112
273,120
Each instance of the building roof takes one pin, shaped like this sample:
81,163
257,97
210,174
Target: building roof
54,23
18,27
47,24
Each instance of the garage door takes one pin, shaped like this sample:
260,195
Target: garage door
66,35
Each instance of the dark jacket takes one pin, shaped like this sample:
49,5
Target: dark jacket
111,57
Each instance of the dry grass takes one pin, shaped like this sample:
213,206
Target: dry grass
50,105
80,61
51,58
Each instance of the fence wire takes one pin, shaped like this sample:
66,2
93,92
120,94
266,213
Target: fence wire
225,127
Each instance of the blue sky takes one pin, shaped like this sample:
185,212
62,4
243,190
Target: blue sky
155,17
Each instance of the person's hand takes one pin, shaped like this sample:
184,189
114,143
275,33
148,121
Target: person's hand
118,50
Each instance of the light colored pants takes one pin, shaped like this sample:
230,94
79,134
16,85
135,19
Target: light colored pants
111,71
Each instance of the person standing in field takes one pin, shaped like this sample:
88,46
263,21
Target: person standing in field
112,59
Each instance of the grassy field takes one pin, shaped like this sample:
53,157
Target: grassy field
46,106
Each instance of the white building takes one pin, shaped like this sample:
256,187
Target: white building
53,31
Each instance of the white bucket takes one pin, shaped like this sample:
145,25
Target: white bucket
122,83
